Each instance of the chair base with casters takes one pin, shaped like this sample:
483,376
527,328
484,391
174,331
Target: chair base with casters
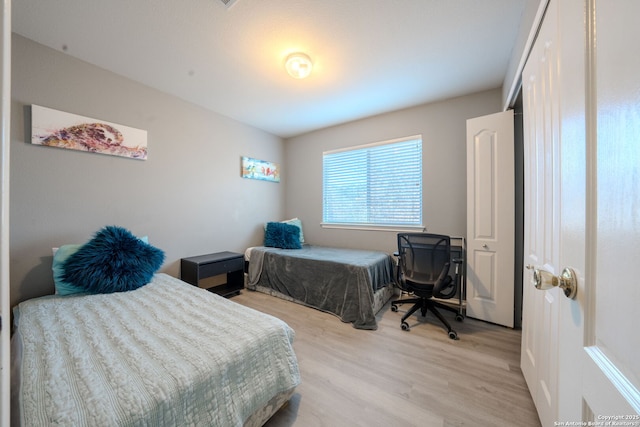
425,305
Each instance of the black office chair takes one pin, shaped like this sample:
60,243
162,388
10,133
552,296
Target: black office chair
423,270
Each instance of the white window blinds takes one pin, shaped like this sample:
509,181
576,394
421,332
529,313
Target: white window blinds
376,184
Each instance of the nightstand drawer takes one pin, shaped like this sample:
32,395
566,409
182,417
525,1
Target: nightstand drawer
221,267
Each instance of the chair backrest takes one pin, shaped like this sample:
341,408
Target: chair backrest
424,257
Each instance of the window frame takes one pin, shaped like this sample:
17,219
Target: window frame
373,226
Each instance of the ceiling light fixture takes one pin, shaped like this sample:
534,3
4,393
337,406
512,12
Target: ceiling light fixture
298,65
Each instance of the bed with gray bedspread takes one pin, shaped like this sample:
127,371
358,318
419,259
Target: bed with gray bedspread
352,284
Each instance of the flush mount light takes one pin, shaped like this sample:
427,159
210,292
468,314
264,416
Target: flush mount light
298,65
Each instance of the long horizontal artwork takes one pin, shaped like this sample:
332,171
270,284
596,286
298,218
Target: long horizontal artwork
55,128
260,169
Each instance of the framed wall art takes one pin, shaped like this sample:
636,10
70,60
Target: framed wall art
55,128
260,169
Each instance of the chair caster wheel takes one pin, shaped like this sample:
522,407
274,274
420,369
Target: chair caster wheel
459,317
394,308
405,326
453,335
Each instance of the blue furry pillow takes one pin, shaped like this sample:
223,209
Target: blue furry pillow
113,261
282,235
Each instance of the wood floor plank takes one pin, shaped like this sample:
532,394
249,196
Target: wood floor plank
390,377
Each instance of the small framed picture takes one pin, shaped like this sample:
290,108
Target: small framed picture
260,169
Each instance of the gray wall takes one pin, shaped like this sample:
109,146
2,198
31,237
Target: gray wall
443,129
188,197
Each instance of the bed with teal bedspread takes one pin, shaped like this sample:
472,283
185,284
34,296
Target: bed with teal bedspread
166,354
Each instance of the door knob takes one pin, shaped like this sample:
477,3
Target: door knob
544,280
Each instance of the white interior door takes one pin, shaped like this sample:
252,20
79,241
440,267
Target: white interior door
582,210
610,353
490,218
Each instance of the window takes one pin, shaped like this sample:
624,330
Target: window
377,184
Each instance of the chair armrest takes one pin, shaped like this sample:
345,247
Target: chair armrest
457,260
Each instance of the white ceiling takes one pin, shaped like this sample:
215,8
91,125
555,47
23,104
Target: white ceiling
370,56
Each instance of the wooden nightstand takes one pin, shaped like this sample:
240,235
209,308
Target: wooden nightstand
193,269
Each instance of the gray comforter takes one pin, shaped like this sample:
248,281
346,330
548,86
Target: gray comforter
339,281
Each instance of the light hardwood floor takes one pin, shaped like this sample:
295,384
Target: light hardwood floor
390,377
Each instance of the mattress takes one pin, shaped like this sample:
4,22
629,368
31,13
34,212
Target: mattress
166,354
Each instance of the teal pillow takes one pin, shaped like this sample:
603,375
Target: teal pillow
297,223
292,221
60,256
113,261
281,235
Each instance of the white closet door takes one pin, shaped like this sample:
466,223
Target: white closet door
490,218
540,323
582,157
